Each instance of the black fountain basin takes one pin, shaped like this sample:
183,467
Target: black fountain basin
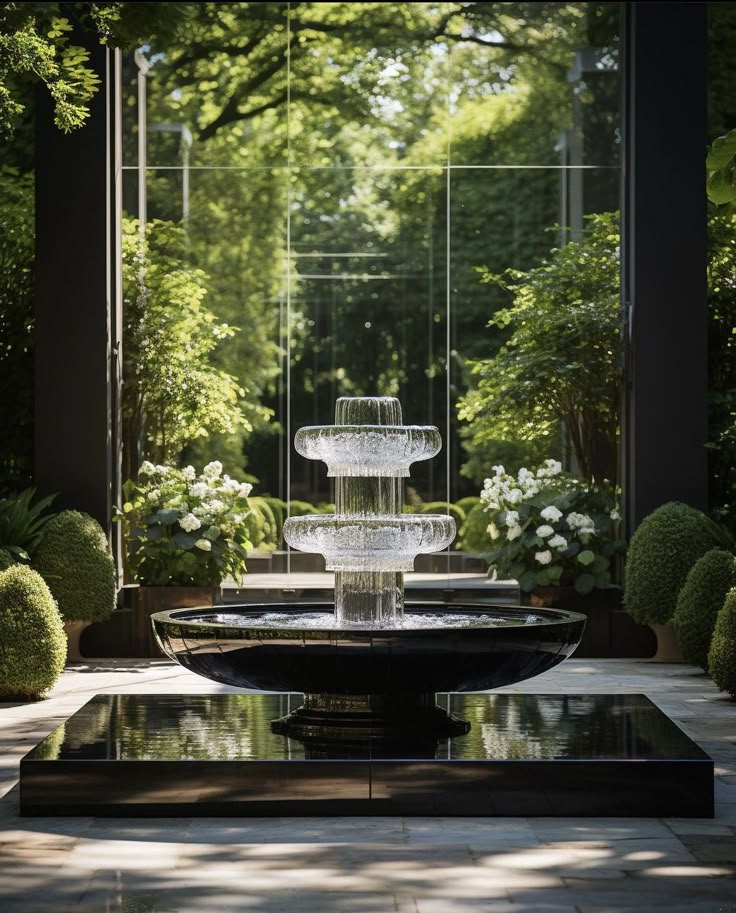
375,684
517,643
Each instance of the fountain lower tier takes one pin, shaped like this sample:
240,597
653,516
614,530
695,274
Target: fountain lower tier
363,682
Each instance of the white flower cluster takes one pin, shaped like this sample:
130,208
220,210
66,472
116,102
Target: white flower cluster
504,490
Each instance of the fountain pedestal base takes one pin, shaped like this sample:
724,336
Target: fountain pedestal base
217,754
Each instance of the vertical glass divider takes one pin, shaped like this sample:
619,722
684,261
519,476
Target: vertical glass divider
288,276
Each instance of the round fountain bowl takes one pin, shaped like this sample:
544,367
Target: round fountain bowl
283,648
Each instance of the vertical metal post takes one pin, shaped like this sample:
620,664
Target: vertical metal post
664,251
77,300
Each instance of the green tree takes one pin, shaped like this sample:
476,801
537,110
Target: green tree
16,330
172,393
561,363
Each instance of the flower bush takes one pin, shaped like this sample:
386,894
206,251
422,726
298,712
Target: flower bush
549,529
184,529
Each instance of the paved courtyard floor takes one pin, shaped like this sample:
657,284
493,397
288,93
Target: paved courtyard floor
373,865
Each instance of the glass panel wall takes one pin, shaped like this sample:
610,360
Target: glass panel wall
349,184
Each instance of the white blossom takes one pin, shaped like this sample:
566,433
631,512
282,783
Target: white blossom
544,557
199,490
189,473
558,542
245,489
551,513
215,505
499,470
212,470
514,496
493,531
615,515
513,533
204,544
153,495
512,518
147,468
189,523
544,531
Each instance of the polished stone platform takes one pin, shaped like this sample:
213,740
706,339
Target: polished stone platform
216,754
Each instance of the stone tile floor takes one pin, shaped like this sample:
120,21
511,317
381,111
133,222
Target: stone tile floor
373,865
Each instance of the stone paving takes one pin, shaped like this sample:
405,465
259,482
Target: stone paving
373,865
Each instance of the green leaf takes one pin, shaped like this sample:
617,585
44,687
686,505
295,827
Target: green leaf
586,557
722,152
167,515
528,581
542,578
554,572
585,584
185,540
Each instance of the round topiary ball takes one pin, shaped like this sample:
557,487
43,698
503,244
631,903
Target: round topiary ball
6,559
664,547
722,653
74,558
474,536
32,639
700,601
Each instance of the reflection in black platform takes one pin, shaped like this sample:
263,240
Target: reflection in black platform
525,754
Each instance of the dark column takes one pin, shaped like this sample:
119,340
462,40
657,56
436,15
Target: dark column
664,256
75,304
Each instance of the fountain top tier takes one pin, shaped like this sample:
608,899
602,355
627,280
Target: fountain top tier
368,440
369,542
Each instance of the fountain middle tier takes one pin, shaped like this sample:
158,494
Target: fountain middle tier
370,542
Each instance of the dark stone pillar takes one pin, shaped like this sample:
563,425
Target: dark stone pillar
664,254
75,303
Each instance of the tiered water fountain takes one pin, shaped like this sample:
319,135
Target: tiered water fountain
369,666
369,738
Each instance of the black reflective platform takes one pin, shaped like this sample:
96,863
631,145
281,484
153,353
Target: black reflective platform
525,754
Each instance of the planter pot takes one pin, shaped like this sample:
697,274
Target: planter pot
73,631
128,632
609,630
147,600
668,649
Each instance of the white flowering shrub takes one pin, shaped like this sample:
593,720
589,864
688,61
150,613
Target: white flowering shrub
184,529
547,528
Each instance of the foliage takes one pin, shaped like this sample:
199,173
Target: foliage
467,504
6,559
172,393
184,529
75,560
562,362
278,509
663,549
35,43
262,526
302,509
700,600
722,653
22,523
549,529
722,362
474,537
32,635
16,328
443,507
721,167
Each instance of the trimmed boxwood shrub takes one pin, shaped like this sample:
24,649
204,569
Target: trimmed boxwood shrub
74,558
278,509
474,536
664,547
32,639
264,525
467,504
443,507
302,509
699,602
722,653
